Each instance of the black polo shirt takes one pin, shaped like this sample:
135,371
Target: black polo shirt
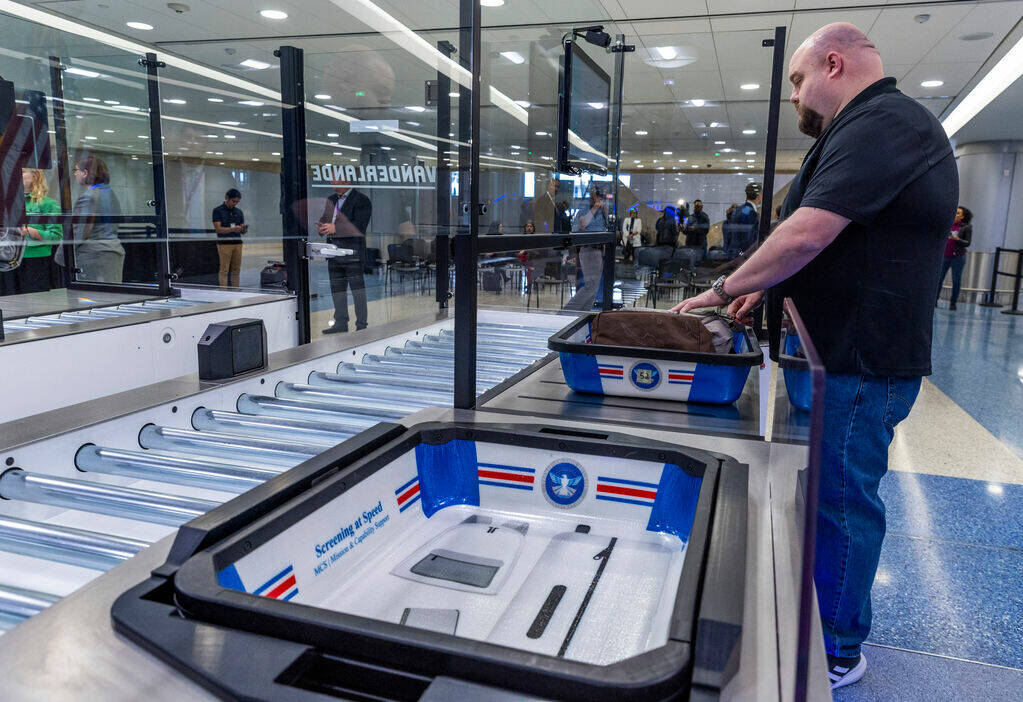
228,217
867,299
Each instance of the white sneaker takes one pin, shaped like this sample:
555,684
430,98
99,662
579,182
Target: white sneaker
841,675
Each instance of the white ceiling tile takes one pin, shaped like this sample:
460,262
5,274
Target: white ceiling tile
995,17
669,27
765,23
900,39
725,6
954,75
704,85
744,51
639,9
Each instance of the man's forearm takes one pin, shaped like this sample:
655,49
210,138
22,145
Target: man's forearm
796,242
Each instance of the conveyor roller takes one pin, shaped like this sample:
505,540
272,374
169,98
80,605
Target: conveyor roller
266,427
349,401
88,549
272,451
144,505
196,472
18,604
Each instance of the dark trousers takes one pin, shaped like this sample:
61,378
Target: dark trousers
344,275
33,275
957,264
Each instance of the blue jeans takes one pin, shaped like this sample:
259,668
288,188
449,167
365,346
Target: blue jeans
957,264
860,415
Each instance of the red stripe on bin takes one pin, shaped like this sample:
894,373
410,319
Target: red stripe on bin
631,492
283,587
515,477
410,493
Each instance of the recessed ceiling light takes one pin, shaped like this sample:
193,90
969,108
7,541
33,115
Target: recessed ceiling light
641,132
751,153
682,160
232,123
230,136
140,25
255,159
547,158
214,99
750,160
111,102
697,102
321,96
696,165
715,125
91,138
143,136
218,153
175,101
749,131
932,83
386,148
454,94
211,136
393,158
541,133
221,163
254,64
91,99
978,36
667,52
666,153
491,3
274,14
719,142
82,72
637,161
415,108
210,153
522,103
657,160
513,146
750,86
513,56
251,103
412,124
333,134
109,131
596,105
275,153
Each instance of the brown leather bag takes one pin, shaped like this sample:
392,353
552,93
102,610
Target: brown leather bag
653,330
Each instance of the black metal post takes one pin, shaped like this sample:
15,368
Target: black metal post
615,147
159,201
443,178
63,173
990,301
466,240
1014,309
773,309
294,200
771,149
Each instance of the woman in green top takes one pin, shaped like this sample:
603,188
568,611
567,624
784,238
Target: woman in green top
33,275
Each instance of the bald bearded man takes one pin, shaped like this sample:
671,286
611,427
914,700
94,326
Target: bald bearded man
858,251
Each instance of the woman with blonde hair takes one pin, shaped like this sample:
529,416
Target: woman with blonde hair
33,275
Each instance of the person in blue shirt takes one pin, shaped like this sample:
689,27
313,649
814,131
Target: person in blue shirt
98,251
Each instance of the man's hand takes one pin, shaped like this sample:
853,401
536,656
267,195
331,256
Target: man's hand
708,298
743,306
326,228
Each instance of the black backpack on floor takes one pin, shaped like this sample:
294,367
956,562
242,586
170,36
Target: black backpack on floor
274,275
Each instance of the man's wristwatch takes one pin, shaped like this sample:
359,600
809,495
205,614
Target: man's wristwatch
719,289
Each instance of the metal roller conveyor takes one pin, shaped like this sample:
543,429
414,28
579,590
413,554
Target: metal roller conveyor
353,373
50,321
201,473
415,348
328,380
391,408
397,359
396,355
271,451
18,604
52,542
390,393
144,505
294,429
501,336
482,375
538,331
449,342
110,312
266,406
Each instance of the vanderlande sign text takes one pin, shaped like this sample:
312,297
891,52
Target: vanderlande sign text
326,174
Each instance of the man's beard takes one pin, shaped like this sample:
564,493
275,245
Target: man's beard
811,122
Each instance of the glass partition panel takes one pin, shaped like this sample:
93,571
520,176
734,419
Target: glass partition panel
97,96
693,141
222,151
375,114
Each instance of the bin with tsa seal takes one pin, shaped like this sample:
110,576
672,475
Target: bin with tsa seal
663,374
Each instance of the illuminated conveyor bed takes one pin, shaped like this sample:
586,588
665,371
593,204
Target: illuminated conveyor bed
543,561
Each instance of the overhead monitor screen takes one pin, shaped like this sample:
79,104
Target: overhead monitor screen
584,114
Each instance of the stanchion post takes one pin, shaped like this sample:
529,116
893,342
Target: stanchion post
1016,284
990,301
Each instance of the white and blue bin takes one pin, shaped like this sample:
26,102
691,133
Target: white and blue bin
796,370
663,374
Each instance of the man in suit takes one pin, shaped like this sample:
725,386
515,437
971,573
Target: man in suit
741,229
344,222
547,217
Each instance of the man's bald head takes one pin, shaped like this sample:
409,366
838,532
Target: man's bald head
829,69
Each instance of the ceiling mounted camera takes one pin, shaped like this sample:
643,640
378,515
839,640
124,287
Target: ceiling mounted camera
178,7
